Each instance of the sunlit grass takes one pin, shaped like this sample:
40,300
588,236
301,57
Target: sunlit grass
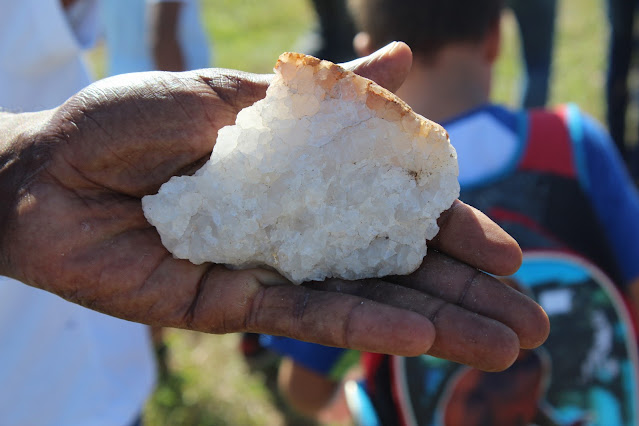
250,34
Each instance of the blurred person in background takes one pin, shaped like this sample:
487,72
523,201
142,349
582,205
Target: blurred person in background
335,29
177,37
146,35
126,37
554,180
536,22
60,363
621,49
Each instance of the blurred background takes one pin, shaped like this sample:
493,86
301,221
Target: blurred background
208,381
249,35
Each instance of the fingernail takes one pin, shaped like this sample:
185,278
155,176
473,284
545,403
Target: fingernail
388,48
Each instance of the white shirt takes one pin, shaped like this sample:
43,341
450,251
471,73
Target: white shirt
40,58
481,135
60,364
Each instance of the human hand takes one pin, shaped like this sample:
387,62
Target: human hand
73,225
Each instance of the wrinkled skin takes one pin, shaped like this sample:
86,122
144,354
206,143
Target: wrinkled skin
73,225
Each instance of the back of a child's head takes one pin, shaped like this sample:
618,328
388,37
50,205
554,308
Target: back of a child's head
425,25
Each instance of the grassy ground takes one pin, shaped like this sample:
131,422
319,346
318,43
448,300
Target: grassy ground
250,34
208,382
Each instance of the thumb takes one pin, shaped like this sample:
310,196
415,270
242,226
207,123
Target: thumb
387,67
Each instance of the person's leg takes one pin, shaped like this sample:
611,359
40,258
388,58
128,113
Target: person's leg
337,30
536,21
620,19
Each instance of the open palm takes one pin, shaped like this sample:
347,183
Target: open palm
77,229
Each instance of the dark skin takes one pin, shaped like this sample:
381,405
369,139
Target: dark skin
72,224
163,23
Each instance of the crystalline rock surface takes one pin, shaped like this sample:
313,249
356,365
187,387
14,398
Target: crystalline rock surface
329,175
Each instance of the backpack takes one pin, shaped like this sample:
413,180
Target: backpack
587,371
584,374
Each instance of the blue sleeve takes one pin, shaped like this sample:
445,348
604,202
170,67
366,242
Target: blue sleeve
612,193
324,360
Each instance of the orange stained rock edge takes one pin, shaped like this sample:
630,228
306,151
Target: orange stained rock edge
383,102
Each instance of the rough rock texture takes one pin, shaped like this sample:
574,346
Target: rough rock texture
330,175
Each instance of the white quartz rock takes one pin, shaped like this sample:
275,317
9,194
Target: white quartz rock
329,175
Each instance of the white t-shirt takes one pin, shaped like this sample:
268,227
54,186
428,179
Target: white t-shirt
40,58
60,364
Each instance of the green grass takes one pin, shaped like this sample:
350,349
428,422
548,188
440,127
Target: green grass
208,382
250,34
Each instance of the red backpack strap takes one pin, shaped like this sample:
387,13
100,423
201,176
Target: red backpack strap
371,363
548,147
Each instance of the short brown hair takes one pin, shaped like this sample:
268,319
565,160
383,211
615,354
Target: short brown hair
425,25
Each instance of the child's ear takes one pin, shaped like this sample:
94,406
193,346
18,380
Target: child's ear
493,43
362,44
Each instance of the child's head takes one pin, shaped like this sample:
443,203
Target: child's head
425,25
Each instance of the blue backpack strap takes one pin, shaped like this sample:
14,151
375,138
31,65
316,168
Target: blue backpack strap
574,121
